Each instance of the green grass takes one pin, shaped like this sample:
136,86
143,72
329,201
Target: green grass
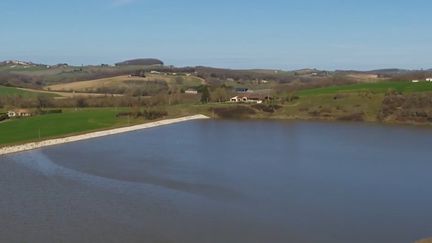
380,87
70,122
10,91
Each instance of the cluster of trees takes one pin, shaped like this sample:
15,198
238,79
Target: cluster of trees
71,74
11,79
162,96
135,88
41,101
149,113
406,107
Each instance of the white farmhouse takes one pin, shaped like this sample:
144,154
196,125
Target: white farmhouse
191,91
248,98
19,113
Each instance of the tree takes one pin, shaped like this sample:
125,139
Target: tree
81,102
220,94
205,95
43,101
179,80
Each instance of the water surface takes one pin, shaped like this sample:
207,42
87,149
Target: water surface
224,181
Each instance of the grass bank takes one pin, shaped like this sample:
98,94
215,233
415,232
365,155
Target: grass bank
48,126
11,91
344,103
91,135
379,87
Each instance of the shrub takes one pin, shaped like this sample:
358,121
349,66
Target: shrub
150,114
122,114
352,117
205,95
3,117
154,114
266,108
234,112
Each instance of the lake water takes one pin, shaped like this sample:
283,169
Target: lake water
223,182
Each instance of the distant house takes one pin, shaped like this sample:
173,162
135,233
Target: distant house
11,114
429,79
241,90
191,91
248,98
19,113
155,72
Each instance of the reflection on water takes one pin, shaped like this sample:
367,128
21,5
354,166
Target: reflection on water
224,181
38,161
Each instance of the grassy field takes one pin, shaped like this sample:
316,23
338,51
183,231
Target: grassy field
71,122
312,104
10,91
122,81
49,126
327,106
89,85
379,87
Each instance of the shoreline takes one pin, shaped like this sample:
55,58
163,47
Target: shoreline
57,141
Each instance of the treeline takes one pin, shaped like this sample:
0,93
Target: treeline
19,80
217,76
43,101
135,88
406,107
149,114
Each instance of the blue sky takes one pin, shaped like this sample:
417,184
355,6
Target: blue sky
290,34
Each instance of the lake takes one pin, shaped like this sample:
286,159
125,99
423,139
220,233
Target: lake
225,181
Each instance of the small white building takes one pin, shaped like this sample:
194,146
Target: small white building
247,98
19,113
415,81
11,114
191,91
429,79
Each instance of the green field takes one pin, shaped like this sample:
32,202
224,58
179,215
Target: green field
49,126
72,122
10,91
380,87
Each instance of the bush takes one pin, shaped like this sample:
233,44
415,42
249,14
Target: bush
3,117
149,114
409,107
266,108
154,114
352,117
235,112
123,114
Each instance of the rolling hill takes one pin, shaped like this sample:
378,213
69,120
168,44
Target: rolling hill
142,61
122,84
